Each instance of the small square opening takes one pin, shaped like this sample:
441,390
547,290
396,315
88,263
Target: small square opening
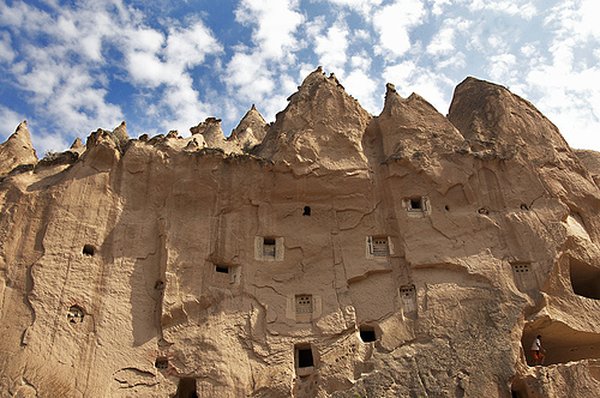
416,204
306,211
223,269
161,363
367,334
88,250
269,245
304,357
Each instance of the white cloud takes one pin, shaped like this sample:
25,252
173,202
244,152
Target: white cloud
48,142
393,24
7,53
331,48
362,6
432,86
443,42
9,120
276,22
361,86
520,8
439,6
503,67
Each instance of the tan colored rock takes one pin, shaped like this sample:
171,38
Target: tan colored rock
406,254
251,130
17,150
212,134
320,130
591,160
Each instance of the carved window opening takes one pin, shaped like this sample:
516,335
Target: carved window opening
304,359
306,211
585,279
89,250
75,314
161,363
222,269
416,204
378,246
367,334
521,268
269,247
408,298
186,388
304,304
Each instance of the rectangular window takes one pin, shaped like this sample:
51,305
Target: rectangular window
304,304
269,246
222,269
520,268
415,204
378,246
305,358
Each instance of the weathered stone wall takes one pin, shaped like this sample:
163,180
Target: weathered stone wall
239,268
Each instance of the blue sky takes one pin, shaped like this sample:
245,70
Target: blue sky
69,67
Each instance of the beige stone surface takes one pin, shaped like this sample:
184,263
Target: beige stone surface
17,150
262,264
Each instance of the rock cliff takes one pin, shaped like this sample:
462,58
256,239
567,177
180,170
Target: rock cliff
331,253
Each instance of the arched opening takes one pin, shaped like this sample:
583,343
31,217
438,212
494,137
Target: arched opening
186,388
89,250
161,363
585,279
75,314
306,211
367,333
561,343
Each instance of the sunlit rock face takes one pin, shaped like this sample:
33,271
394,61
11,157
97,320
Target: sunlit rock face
331,253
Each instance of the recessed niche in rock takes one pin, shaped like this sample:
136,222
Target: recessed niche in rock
75,314
377,246
161,363
408,298
89,250
303,359
268,248
367,333
520,268
186,388
222,269
524,206
415,204
585,279
159,285
562,343
304,304
524,274
306,211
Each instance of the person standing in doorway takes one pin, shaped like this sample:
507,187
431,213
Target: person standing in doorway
537,351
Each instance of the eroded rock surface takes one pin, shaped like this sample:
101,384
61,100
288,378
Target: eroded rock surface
332,253
17,150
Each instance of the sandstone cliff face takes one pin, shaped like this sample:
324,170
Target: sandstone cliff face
406,254
17,150
320,130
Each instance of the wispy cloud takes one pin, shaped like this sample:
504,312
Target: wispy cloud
73,67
